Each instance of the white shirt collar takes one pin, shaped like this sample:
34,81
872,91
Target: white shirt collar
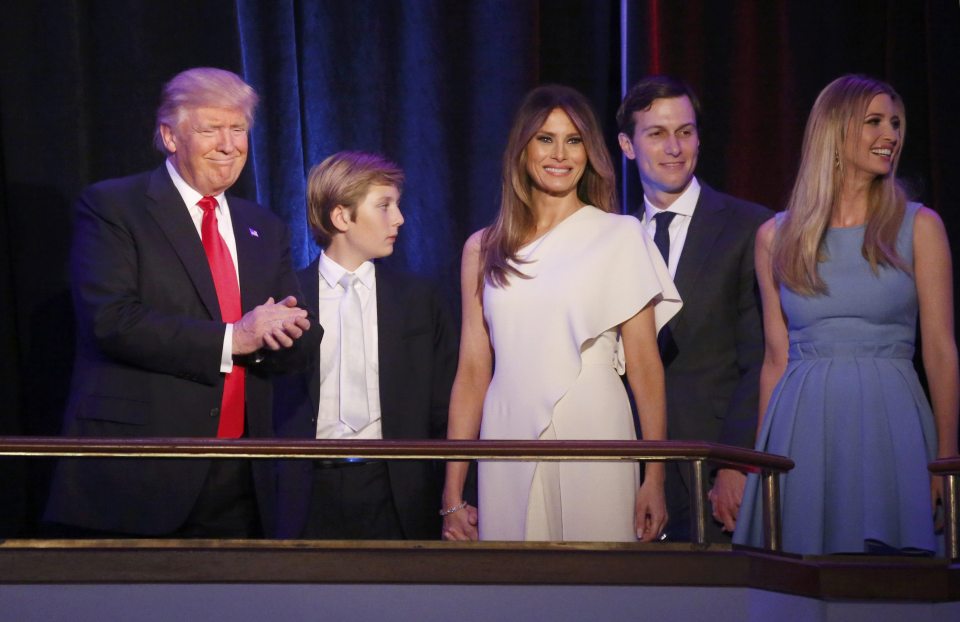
332,272
684,205
187,192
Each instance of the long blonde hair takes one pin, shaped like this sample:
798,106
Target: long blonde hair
798,243
515,221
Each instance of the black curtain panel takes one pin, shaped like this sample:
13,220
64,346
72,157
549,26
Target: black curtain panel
431,84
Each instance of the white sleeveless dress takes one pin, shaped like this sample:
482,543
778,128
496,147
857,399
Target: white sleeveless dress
556,376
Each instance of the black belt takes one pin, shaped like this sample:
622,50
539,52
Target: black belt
343,463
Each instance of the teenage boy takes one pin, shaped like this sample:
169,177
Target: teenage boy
384,370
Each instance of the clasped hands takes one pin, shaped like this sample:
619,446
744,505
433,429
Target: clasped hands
461,524
273,325
725,497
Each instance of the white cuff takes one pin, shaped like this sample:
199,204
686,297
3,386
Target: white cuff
226,353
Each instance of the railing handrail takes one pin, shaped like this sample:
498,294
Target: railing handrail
282,448
945,466
59,446
697,454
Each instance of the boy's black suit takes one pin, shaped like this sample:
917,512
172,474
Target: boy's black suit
417,363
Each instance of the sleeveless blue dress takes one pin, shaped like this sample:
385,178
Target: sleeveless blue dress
850,412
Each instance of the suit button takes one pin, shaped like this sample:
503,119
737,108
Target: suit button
214,412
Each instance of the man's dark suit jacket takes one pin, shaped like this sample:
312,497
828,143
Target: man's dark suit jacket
714,349
418,360
149,344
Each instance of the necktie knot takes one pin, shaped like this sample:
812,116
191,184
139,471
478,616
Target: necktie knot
663,219
347,281
207,203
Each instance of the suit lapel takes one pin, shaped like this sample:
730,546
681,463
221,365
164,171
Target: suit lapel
705,226
389,334
247,239
167,209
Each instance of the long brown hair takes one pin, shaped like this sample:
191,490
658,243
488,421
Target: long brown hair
798,243
515,222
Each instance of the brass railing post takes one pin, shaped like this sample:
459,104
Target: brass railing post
949,469
951,531
698,506
772,536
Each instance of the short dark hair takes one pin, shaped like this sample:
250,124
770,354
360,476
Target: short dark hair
642,95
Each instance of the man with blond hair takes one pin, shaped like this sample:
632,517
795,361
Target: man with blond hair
185,299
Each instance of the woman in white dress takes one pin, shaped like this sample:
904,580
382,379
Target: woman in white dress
560,294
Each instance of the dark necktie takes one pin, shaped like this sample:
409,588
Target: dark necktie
228,295
662,236
662,239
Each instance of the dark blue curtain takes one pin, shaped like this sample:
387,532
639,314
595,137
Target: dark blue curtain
430,84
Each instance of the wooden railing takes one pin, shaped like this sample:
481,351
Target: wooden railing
697,454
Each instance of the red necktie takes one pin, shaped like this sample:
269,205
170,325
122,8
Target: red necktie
228,295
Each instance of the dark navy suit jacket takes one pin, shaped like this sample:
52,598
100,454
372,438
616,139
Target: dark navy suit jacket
714,350
148,349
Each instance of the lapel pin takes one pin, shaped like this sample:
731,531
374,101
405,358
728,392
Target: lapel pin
254,233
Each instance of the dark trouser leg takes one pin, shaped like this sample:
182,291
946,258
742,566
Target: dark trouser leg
226,506
352,501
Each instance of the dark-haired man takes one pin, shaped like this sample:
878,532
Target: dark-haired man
713,349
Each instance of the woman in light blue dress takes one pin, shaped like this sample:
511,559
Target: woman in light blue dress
844,274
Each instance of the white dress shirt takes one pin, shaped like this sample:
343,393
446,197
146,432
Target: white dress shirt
225,226
328,415
683,207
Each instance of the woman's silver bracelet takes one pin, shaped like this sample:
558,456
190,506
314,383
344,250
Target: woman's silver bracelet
455,508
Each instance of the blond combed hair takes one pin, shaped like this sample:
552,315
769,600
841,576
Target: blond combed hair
798,244
200,87
515,221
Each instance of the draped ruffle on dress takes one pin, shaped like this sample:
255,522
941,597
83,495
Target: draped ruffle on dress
556,376
850,412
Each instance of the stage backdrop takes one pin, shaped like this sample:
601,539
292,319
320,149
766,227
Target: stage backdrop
432,84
